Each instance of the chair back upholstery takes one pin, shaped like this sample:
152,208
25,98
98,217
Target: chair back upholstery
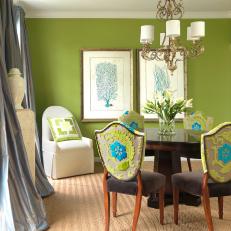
216,153
121,150
197,121
53,112
133,120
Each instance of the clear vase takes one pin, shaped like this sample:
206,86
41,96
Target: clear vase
166,127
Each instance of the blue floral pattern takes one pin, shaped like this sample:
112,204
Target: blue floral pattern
196,126
133,125
118,151
224,153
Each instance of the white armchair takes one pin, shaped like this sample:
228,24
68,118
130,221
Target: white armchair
66,158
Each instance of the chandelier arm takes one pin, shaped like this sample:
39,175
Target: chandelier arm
196,49
150,54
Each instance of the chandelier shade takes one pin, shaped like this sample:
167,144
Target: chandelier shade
173,28
147,34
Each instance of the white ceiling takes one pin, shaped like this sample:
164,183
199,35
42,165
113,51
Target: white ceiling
120,8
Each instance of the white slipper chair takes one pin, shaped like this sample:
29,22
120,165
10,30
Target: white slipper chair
66,158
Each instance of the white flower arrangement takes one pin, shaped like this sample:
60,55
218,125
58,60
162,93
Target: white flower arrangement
166,107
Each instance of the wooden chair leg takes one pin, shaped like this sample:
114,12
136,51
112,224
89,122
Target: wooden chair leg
161,205
176,203
114,203
106,201
138,203
189,164
206,203
220,207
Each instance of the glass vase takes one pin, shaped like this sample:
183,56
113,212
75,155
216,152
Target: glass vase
166,127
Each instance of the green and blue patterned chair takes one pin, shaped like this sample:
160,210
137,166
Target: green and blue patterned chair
215,181
133,120
197,122
121,151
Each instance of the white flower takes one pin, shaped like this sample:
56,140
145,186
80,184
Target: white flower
179,100
189,103
168,94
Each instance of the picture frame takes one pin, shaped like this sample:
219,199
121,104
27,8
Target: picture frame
107,83
149,73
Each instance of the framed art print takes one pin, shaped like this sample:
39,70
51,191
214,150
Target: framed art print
154,78
107,83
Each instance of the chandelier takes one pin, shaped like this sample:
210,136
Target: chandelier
171,11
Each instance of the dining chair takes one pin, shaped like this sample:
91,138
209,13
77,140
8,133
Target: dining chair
215,181
197,121
132,119
121,152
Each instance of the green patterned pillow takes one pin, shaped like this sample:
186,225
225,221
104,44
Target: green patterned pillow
64,129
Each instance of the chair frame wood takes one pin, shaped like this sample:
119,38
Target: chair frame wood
137,203
206,203
189,164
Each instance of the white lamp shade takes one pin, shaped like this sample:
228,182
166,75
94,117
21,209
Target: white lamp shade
147,34
173,28
164,40
198,29
189,35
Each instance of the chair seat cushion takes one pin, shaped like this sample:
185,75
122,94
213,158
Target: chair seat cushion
152,182
70,145
191,182
67,146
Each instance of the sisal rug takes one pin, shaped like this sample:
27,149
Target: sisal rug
77,205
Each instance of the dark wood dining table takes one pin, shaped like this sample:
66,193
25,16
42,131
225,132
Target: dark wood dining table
168,151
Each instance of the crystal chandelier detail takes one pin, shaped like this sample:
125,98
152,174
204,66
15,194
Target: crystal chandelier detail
171,11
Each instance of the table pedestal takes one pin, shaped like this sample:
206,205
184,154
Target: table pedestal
169,163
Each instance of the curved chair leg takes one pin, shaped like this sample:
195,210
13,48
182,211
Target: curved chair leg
206,203
176,203
138,203
220,206
189,164
114,203
106,201
161,205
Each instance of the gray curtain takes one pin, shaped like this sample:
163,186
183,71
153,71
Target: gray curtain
21,206
42,184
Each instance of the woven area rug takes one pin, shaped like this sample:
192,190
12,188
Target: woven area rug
77,205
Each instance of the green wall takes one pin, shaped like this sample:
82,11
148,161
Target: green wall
55,52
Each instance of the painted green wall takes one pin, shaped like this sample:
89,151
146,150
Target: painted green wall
55,51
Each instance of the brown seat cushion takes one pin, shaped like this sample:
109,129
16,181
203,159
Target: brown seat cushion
191,182
152,182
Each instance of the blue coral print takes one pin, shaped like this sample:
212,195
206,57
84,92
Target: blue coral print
161,78
118,151
106,83
196,126
224,153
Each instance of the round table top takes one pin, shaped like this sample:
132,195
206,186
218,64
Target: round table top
181,136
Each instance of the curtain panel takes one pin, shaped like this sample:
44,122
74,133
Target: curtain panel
42,184
21,206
